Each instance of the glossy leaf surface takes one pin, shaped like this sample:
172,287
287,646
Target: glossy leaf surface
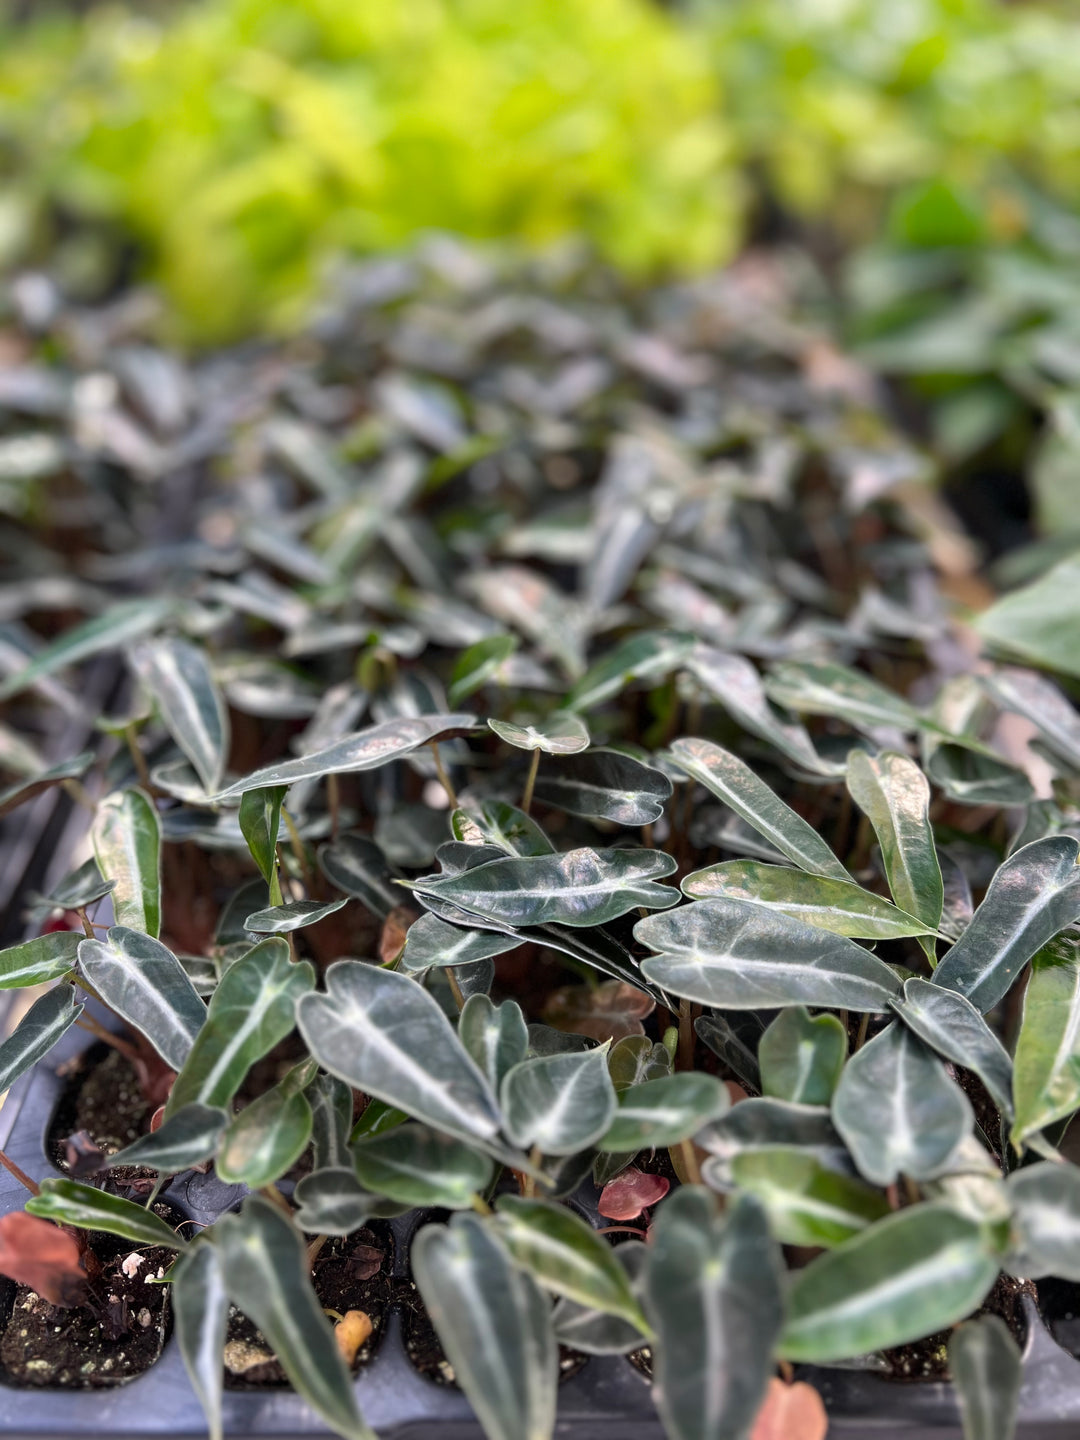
897,1108
127,846
381,1033
143,981
1034,895
735,955
179,677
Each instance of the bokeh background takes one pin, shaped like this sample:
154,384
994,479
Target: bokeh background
924,156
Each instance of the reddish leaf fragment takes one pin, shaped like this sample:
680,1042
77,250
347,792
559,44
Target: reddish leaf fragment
39,1254
611,1011
791,1412
365,1261
395,928
625,1197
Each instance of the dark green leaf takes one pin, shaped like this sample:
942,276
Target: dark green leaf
801,1057
662,1112
807,1203
179,677
597,1332
1047,707
909,1275
496,1036
37,1032
127,846
652,656
605,785
356,865
37,961
836,690
381,1033
416,1166
250,1012
566,1256
734,682
494,1322
712,1292
986,1368
331,1104
559,1103
1038,621
268,1136
560,734
837,905
478,664
494,822
26,789
109,631
898,1110
70,1203
1046,1220
1034,895
364,750
431,941
187,1138
954,1028
268,1277
1046,1068
894,793
579,888
333,1202
742,791
260,817
280,919
201,1308
735,955
143,981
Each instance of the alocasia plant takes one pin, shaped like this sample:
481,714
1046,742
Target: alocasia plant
716,955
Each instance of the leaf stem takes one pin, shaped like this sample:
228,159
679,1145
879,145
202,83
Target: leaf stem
138,759
864,1025
534,766
444,778
480,1205
333,800
87,1022
274,1195
690,1160
685,1054
87,923
298,850
20,1175
455,987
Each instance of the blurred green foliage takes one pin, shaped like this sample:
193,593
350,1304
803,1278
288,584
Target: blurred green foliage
243,143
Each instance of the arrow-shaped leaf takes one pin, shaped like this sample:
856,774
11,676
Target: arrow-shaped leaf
807,1203
267,1276
559,1103
580,888
986,1368
712,1292
187,1138
1046,1220
845,694
281,919
837,905
24,790
416,1166
252,1009
37,1032
364,750
381,1033
954,1028
127,846
894,794
179,677
802,1057
142,980
563,734
268,1136
735,955
260,817
494,1322
1033,896
742,791
898,1110
911,1274
605,785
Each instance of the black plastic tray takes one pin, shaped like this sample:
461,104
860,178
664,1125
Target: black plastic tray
607,1400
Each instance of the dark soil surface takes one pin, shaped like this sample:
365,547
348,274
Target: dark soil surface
114,1338
103,1098
928,1359
341,1283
